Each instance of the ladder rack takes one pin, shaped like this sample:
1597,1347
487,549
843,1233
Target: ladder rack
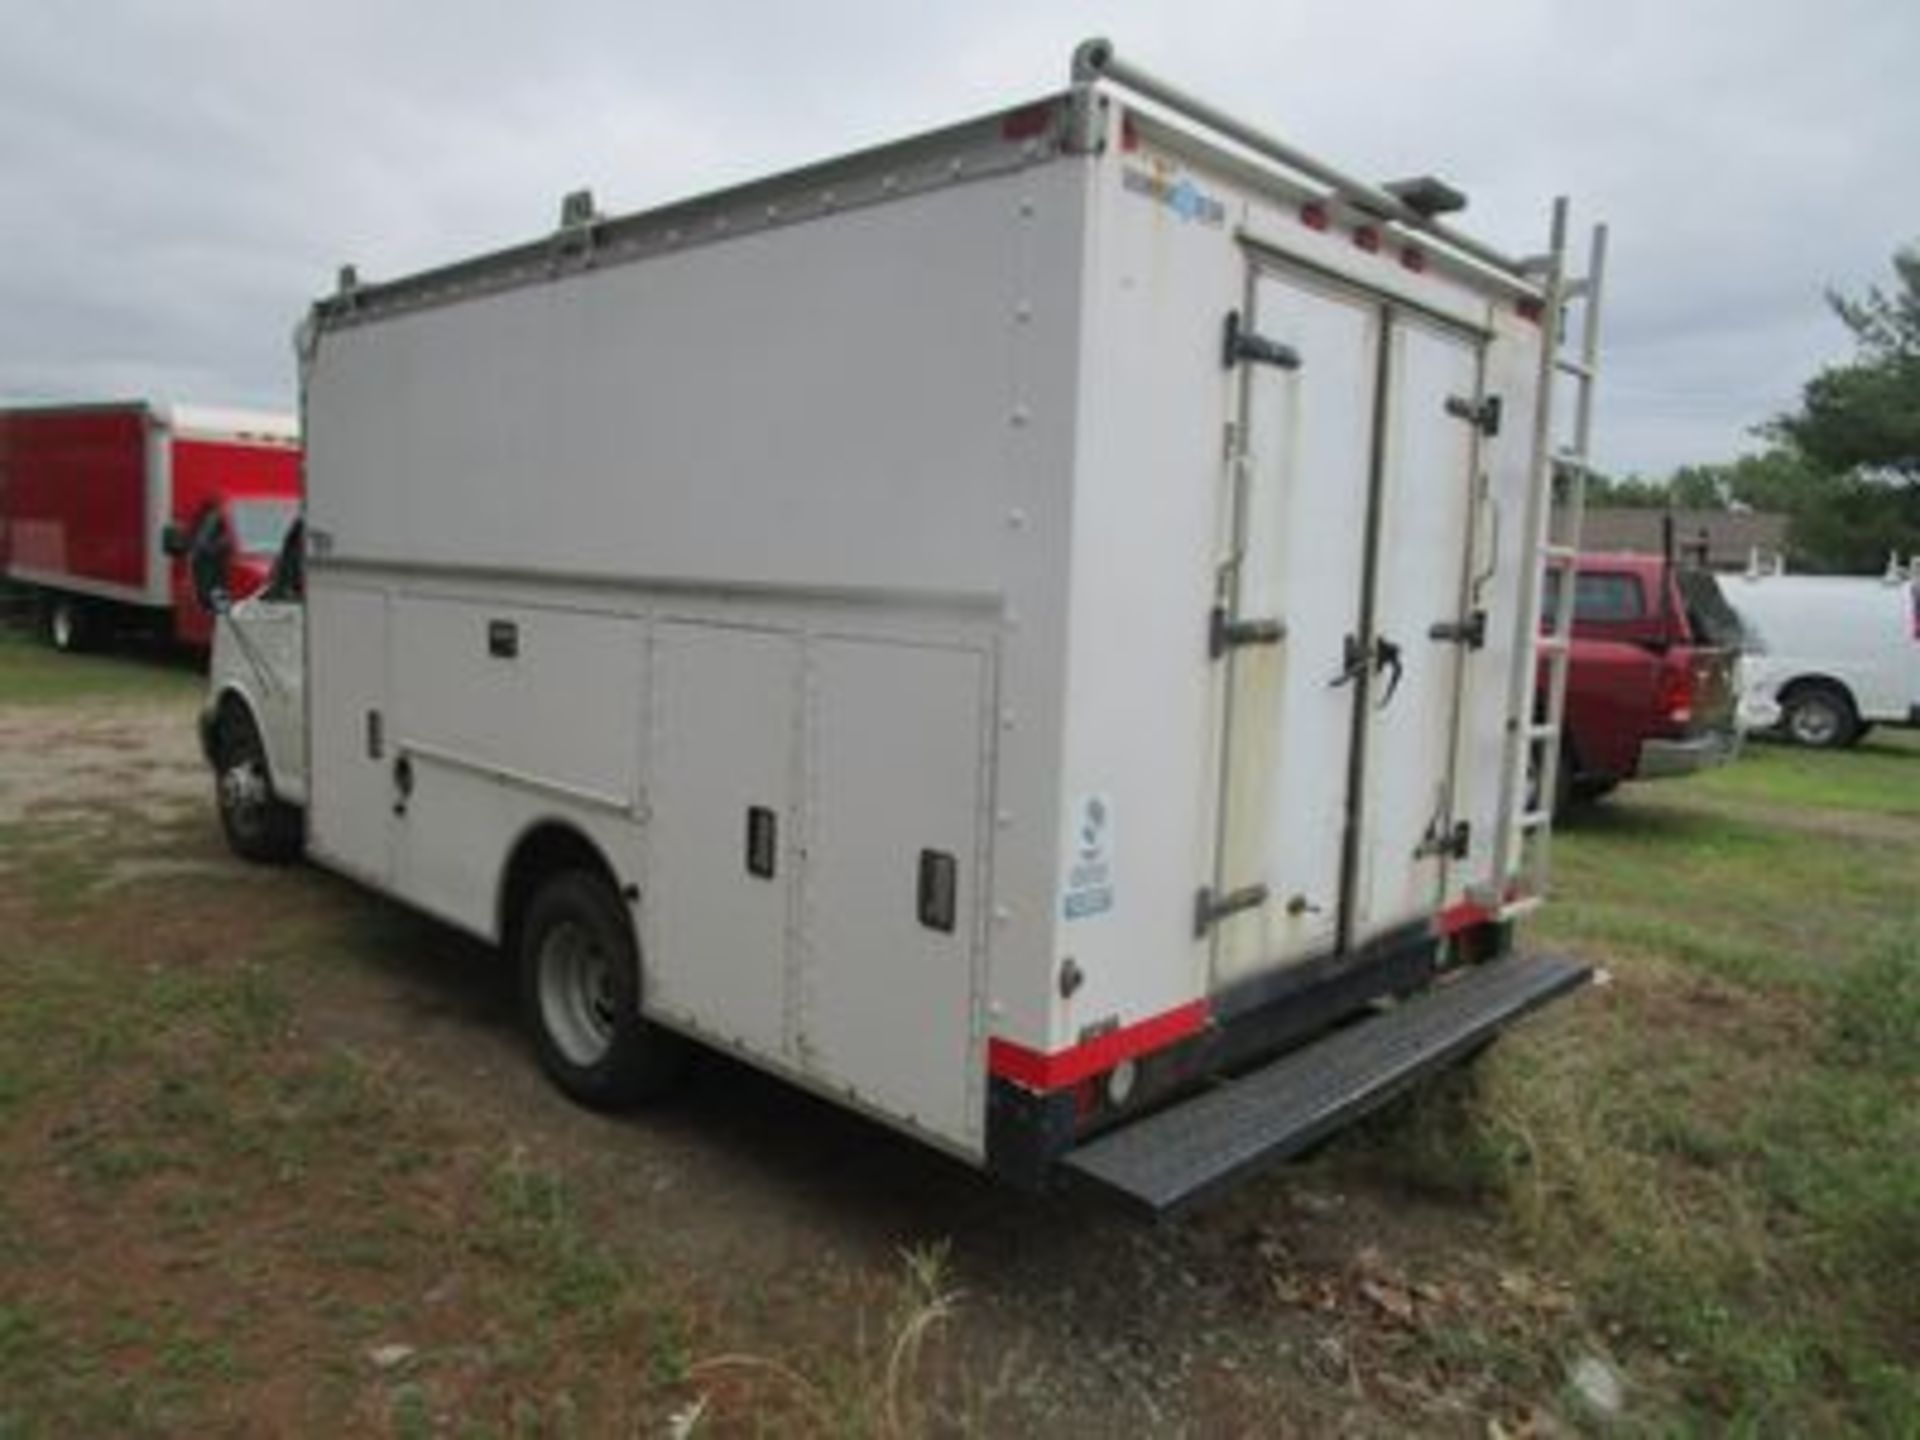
1556,510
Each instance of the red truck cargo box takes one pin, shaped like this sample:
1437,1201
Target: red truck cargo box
86,492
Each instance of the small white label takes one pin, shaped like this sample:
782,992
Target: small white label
1089,887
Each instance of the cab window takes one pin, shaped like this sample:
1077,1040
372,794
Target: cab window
287,583
1599,598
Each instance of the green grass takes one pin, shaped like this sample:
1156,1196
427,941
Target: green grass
1881,775
33,673
1721,1148
1715,1159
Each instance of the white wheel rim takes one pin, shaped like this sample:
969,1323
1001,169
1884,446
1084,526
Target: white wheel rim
1815,723
243,793
577,997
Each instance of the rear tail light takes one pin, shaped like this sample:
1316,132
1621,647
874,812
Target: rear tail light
1675,700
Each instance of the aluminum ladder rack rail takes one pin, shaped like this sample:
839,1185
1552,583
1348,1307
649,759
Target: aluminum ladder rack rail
1556,514
1170,1159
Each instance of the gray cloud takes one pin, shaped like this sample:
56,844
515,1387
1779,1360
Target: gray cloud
178,180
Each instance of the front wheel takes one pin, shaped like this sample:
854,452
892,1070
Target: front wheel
580,990
260,825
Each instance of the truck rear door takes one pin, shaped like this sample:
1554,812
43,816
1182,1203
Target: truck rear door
1353,503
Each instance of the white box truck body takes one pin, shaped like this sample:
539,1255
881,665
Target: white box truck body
1025,620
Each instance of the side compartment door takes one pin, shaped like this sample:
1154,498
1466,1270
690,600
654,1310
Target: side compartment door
721,837
349,731
1301,536
1426,509
897,740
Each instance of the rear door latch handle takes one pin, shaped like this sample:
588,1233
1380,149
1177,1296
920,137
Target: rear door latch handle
1386,656
1358,659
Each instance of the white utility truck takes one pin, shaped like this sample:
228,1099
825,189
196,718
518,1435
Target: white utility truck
1833,655
1029,631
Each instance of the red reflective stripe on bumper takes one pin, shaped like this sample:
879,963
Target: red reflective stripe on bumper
1464,916
1067,1067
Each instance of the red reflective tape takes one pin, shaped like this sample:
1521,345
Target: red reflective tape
1464,916
1092,1057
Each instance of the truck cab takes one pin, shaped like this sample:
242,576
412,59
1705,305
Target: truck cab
241,537
1652,690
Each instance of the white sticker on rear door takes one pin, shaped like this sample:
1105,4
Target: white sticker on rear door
1089,887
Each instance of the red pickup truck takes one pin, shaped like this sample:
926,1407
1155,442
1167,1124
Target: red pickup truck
1652,689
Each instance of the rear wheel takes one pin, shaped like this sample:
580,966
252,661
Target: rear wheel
1821,717
580,990
259,824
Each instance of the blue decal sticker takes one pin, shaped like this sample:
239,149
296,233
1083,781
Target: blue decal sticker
1089,887
1181,196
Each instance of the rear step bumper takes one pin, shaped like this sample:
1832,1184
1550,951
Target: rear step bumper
1176,1156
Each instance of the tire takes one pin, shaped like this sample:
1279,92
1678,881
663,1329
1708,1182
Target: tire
1564,787
69,624
260,826
580,995
1819,717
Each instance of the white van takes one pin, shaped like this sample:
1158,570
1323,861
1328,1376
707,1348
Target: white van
1839,654
1001,630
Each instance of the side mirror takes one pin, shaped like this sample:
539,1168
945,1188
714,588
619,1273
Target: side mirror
207,565
174,539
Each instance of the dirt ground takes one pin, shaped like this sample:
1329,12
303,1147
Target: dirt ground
1327,1298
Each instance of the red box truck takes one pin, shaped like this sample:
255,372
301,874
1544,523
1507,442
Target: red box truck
100,502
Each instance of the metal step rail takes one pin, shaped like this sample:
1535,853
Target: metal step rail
1556,513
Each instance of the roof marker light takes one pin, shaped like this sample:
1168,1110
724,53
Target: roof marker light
1367,238
1314,215
1414,258
1026,123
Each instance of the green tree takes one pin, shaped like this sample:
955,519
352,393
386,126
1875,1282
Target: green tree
1847,463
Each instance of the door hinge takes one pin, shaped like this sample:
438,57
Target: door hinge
1209,908
1470,632
1224,634
1244,346
1483,415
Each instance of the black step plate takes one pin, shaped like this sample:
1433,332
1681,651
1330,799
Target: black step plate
1174,1157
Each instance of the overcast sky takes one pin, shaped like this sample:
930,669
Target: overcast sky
178,180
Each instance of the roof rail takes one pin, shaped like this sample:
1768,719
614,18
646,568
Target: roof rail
1095,60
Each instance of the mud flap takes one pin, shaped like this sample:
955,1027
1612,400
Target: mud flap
1174,1157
